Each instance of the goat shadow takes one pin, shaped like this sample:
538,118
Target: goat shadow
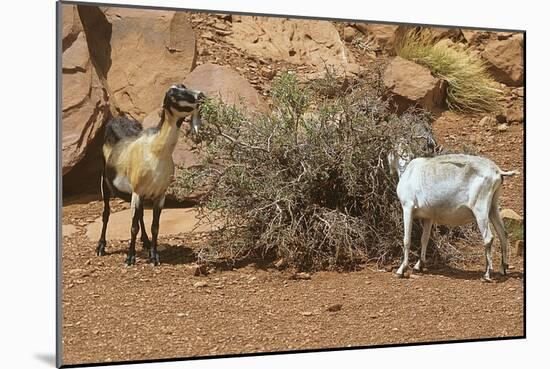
171,254
455,273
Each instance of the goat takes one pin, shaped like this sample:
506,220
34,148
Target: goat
452,189
139,163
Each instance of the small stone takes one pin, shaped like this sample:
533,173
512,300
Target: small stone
76,271
501,118
223,33
199,270
95,331
301,275
349,33
306,313
502,127
395,329
220,26
487,121
200,284
281,263
520,248
335,307
208,35
181,315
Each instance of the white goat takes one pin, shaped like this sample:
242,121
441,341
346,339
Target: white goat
450,190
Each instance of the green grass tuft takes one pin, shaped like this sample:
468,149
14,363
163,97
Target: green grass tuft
470,88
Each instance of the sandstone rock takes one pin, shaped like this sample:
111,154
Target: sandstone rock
227,84
349,33
513,222
440,33
302,42
514,113
410,83
505,60
382,34
85,107
147,51
70,25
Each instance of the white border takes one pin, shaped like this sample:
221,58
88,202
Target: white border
27,326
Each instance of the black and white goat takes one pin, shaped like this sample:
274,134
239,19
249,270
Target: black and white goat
138,163
451,190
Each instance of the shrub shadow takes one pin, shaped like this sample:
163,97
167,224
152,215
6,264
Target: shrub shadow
455,273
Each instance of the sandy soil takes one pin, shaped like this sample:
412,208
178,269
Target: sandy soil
114,313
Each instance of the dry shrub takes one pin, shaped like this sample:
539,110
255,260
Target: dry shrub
309,182
470,88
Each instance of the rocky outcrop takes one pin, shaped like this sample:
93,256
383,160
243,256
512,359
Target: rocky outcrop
115,61
409,83
84,103
505,60
303,42
227,84
149,51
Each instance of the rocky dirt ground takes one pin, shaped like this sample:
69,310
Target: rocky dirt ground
113,313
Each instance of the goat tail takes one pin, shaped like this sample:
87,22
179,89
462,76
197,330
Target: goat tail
509,173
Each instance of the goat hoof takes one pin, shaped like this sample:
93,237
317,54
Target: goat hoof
486,279
130,260
154,259
100,249
399,275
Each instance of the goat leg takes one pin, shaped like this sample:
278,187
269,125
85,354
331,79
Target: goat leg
106,194
137,213
157,208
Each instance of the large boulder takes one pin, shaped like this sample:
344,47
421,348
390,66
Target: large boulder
215,81
140,53
409,83
314,43
84,103
505,60
227,84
